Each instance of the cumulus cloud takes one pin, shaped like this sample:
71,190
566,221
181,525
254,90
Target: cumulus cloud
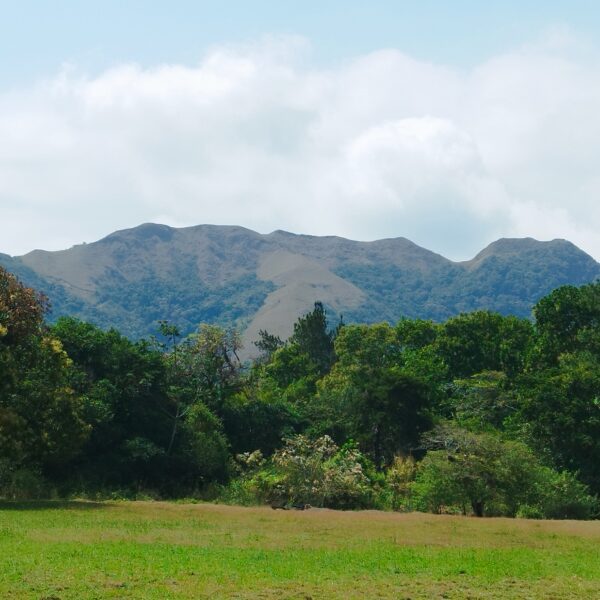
382,145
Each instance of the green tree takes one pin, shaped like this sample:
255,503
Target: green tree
268,344
416,334
559,414
476,470
41,427
567,320
313,338
210,366
296,366
483,473
483,401
369,397
484,341
122,387
21,321
259,417
203,373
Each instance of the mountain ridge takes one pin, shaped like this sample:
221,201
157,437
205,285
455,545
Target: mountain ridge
234,276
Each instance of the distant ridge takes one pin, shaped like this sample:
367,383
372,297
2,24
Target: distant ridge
236,277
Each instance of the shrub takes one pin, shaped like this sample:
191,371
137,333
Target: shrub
319,473
398,482
436,488
482,472
562,496
527,511
21,483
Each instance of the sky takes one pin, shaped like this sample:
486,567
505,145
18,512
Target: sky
449,123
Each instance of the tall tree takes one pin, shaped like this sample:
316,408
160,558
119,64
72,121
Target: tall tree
559,414
484,341
40,415
566,320
122,386
369,397
313,338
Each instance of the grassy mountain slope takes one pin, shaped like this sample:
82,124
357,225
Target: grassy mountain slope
234,276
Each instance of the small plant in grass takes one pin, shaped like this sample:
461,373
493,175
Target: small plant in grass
398,482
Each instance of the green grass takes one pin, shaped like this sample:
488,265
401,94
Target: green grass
166,550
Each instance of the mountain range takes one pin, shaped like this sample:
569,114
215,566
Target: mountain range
233,276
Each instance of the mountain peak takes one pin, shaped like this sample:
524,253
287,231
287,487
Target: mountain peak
518,247
233,276
145,231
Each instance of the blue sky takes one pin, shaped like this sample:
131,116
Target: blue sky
449,123
37,37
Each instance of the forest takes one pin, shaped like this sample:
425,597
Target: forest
483,414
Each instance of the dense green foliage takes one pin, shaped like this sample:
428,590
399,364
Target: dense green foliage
509,277
138,306
42,425
482,414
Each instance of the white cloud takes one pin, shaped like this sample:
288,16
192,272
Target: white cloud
383,145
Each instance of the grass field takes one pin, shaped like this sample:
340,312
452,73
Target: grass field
166,550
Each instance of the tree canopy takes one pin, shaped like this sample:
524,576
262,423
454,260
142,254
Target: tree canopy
483,413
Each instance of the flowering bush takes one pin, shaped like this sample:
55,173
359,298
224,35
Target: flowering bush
319,473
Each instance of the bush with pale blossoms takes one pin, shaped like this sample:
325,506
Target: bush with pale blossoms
319,473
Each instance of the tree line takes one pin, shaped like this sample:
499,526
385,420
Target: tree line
483,414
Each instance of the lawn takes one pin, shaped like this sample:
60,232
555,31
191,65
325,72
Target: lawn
160,550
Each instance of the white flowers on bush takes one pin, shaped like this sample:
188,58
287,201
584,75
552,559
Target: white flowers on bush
319,473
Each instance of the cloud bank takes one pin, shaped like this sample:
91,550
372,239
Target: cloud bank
381,146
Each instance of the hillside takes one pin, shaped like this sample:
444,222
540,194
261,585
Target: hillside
234,276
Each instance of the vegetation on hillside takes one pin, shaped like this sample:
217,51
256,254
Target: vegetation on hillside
483,414
224,275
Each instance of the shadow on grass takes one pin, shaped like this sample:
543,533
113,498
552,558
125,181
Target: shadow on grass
50,504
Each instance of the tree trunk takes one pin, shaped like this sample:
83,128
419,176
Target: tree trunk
477,506
173,432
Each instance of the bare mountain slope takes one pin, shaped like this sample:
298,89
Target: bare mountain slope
300,281
234,276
